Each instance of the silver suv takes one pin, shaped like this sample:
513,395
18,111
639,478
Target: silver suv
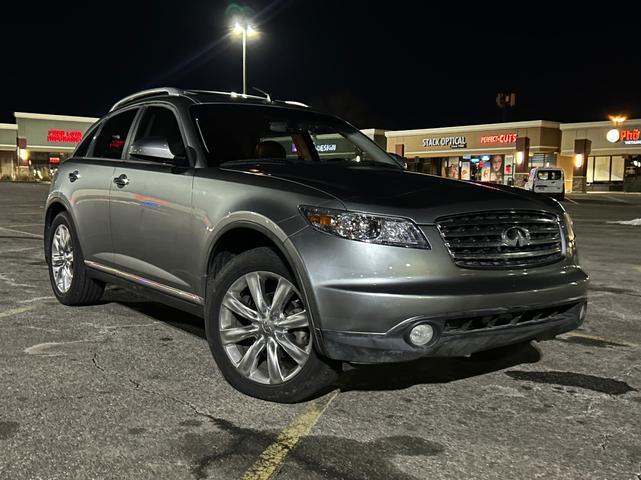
300,242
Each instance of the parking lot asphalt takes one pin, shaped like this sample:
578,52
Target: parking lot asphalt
128,389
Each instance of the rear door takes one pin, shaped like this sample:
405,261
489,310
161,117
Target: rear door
549,181
151,209
89,175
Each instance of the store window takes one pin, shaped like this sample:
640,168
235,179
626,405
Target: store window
618,169
605,168
111,140
601,169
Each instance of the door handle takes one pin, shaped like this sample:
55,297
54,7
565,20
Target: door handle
121,181
73,176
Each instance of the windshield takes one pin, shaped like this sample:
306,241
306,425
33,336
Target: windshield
254,133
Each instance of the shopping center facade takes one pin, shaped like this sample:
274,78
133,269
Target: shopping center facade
38,142
593,155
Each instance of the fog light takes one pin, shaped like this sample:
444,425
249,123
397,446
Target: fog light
421,334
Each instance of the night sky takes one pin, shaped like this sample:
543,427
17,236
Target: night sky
392,65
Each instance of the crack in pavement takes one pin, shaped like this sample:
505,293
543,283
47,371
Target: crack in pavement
139,386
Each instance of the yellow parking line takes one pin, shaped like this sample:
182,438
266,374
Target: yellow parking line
601,339
16,311
273,458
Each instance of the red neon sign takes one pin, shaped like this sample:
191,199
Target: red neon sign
71,136
54,159
630,135
502,138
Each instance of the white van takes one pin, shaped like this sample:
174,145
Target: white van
547,180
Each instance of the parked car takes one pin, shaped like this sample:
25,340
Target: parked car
300,258
547,180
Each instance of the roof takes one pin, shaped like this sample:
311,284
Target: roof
203,96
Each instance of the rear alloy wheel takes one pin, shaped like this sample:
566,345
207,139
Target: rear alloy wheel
260,332
69,277
62,258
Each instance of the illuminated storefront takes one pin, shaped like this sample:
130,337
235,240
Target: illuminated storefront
38,142
496,153
613,157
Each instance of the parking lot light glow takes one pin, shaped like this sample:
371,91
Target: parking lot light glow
617,119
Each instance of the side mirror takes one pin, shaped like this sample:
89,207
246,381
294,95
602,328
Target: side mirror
152,148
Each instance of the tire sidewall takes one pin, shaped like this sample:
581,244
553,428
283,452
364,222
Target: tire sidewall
307,381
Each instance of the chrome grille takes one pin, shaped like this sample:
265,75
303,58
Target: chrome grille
502,240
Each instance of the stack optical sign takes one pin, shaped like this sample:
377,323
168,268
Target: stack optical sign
450,142
628,137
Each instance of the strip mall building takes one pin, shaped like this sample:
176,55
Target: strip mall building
594,155
38,142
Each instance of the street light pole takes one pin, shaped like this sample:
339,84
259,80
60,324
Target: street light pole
245,29
244,60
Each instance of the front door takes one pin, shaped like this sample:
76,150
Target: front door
90,180
151,211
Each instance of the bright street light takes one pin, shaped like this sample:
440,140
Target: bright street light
245,29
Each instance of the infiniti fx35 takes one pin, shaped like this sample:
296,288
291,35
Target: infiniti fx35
301,242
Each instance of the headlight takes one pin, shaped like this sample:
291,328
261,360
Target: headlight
364,227
569,227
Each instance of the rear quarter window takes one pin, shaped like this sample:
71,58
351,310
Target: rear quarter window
113,135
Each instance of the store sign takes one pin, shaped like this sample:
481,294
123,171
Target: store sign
322,148
70,136
327,147
628,137
54,159
501,138
451,142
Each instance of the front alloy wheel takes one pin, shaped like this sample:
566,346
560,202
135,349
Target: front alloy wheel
260,331
264,328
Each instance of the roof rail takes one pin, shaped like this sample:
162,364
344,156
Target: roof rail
229,94
267,98
294,103
148,93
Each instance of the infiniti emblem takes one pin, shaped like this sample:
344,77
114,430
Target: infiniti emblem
515,237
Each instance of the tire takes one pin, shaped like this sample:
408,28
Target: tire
293,380
81,289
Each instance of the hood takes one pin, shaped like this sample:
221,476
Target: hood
423,198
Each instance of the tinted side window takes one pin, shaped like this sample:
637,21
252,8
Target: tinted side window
111,141
159,122
82,149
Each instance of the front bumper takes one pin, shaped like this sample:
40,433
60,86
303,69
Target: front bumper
450,342
362,297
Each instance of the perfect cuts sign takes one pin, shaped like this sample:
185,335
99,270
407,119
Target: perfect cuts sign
446,142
